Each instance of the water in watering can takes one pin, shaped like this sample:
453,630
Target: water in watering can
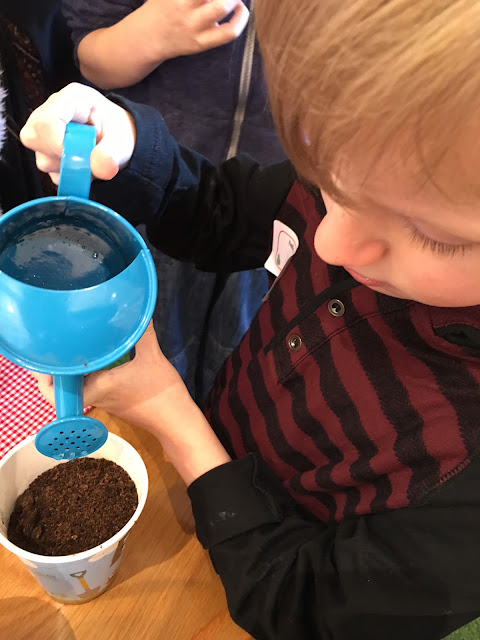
54,254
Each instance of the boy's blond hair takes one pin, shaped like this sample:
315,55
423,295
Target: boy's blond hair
361,73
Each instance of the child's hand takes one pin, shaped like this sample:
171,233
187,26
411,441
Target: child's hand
148,392
139,391
45,129
185,27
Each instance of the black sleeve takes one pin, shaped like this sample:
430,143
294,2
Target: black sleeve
405,574
218,217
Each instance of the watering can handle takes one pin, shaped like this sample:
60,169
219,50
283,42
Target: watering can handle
75,172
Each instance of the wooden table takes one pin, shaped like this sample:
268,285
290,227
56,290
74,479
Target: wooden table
166,588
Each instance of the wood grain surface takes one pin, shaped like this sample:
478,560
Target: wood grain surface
165,589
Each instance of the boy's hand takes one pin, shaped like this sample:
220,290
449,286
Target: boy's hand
148,392
140,391
45,129
184,27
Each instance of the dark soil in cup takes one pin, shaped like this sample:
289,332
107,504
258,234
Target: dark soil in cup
73,507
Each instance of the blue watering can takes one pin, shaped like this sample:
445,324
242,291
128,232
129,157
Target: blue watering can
77,290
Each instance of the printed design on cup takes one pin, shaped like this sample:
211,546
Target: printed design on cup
118,551
81,584
88,593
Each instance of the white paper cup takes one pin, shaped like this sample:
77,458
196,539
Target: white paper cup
78,577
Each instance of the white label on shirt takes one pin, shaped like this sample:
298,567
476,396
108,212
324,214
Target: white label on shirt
285,244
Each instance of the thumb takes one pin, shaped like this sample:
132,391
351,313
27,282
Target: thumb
103,164
116,136
148,344
98,385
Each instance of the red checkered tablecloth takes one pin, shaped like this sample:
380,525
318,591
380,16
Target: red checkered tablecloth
23,409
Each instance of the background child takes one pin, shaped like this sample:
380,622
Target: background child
198,63
334,477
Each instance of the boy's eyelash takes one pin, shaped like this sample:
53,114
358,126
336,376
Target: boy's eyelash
441,248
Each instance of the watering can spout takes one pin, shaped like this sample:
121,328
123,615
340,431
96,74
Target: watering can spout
68,395
71,435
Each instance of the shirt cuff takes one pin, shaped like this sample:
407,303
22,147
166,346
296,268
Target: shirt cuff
137,192
152,136
236,497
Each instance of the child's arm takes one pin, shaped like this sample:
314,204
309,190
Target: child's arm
218,217
124,53
406,574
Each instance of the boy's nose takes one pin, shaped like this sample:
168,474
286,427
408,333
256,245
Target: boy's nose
349,240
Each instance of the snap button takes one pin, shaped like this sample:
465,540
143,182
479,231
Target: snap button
336,307
294,342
